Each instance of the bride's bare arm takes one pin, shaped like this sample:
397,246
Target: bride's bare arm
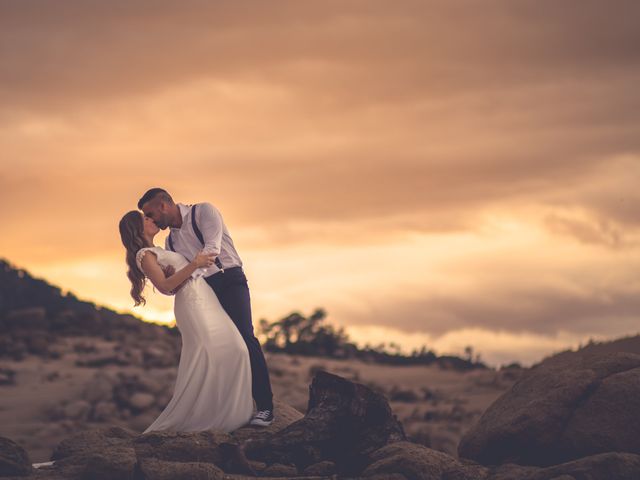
168,271
154,273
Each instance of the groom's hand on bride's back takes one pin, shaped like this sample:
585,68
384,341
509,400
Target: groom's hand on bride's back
168,271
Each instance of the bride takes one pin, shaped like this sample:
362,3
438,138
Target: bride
213,384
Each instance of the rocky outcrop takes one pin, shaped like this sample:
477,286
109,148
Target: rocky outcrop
344,425
563,409
349,432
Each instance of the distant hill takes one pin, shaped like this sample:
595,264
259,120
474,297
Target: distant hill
33,313
18,289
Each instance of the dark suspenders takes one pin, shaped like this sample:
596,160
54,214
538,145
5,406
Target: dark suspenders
198,233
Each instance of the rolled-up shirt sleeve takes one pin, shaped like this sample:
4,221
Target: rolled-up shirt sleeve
210,224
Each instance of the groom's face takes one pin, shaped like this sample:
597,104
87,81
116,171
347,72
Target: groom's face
157,212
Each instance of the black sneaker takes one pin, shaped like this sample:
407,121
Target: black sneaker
262,418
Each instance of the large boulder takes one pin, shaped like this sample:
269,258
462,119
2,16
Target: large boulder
344,423
564,409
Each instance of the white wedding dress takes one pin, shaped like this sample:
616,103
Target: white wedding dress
213,384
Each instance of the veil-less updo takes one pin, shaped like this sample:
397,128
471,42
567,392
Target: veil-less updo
131,234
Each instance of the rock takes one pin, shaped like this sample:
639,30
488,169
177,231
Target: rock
468,471
77,410
284,414
399,395
52,429
96,439
126,387
101,360
51,376
388,476
163,399
142,421
56,352
14,460
133,356
98,389
117,462
7,376
158,357
413,461
321,468
608,419
603,466
152,385
511,471
280,470
345,421
257,466
155,469
103,411
141,401
565,408
54,412
182,446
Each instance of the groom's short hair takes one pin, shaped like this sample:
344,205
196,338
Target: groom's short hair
152,193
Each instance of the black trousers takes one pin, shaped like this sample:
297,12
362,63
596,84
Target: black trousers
233,292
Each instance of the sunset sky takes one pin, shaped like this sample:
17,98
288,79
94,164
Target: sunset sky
447,173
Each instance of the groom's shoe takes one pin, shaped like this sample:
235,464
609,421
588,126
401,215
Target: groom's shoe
262,418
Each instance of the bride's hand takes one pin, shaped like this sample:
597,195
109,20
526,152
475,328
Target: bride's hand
204,259
168,271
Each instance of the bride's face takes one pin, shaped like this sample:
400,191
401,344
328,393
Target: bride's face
150,228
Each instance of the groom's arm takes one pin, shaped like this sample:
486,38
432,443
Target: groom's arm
210,224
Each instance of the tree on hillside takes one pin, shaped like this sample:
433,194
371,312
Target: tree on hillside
296,333
301,335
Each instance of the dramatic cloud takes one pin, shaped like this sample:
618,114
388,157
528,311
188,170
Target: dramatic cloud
431,167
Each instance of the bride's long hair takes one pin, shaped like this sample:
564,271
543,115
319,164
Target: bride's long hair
131,234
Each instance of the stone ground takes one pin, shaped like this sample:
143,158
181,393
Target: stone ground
435,406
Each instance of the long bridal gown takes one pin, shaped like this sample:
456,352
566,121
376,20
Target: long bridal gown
213,384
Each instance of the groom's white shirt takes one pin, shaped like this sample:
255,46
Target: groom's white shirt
216,237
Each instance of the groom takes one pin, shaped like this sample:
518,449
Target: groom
200,227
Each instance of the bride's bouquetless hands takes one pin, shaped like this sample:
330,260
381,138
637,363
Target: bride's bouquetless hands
201,260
